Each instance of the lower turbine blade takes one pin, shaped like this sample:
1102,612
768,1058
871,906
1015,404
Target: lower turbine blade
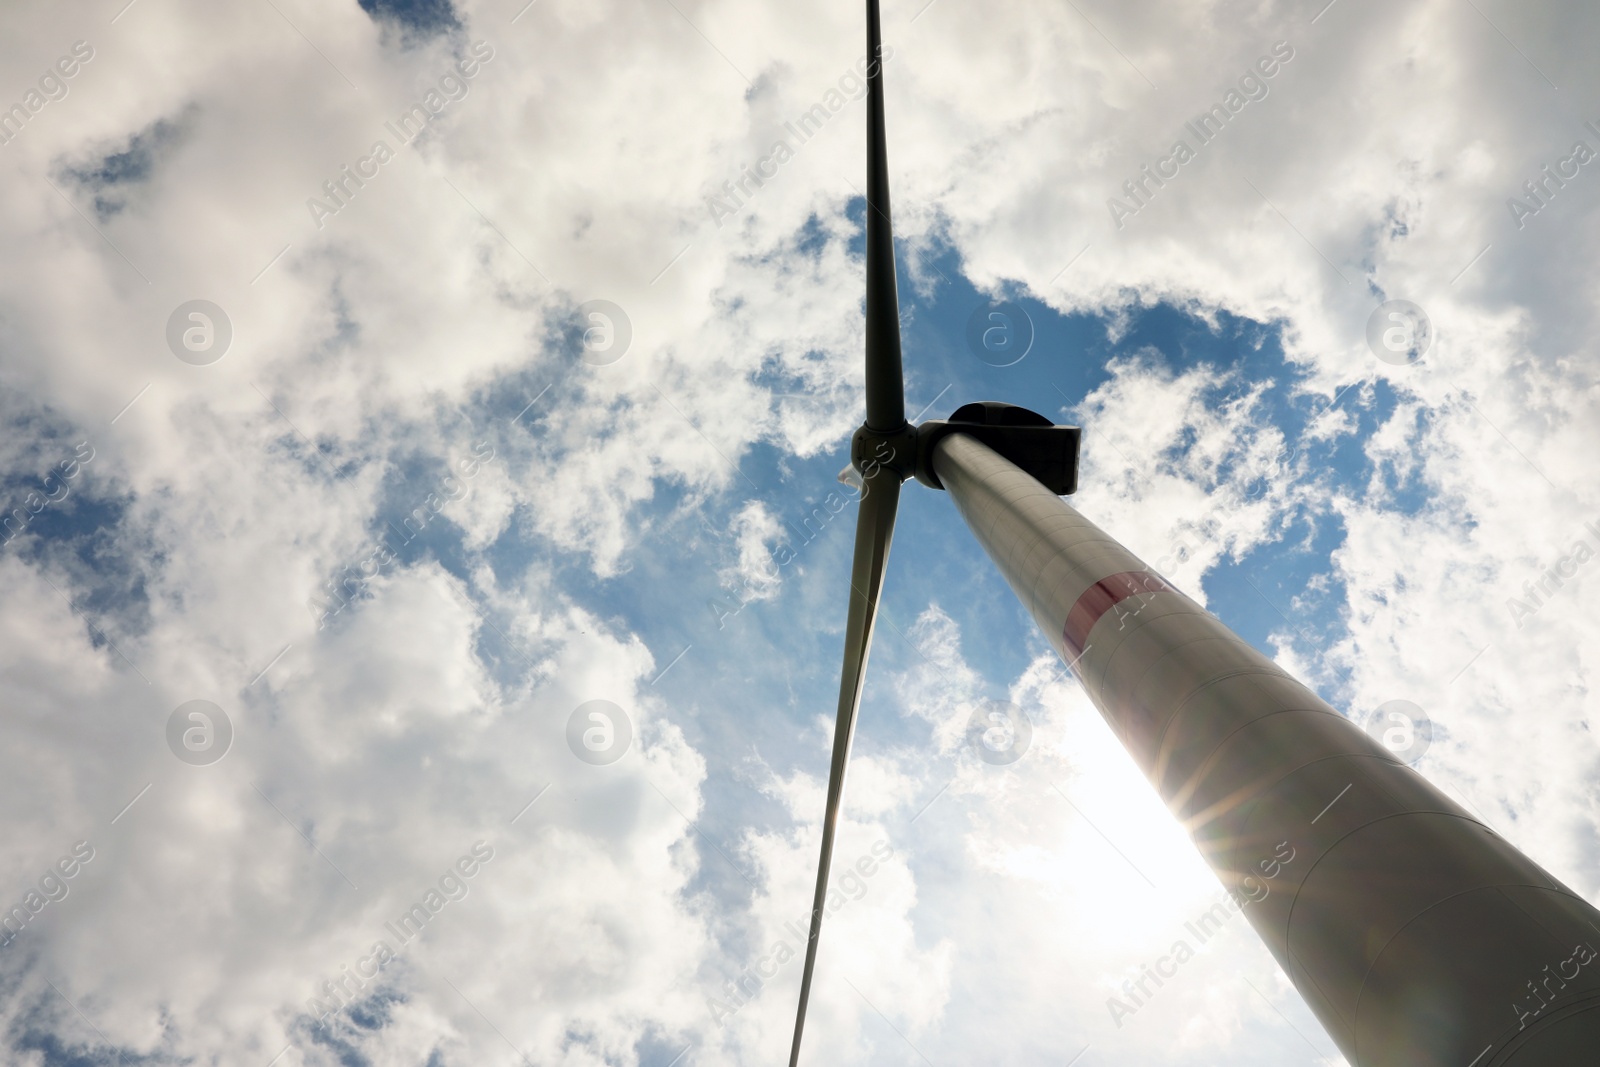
874,529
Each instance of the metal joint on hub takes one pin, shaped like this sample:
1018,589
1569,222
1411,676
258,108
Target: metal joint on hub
894,450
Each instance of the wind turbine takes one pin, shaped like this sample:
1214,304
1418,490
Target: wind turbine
1418,936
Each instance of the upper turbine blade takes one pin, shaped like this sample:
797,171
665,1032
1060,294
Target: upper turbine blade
886,402
874,529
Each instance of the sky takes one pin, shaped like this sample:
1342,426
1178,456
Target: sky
424,560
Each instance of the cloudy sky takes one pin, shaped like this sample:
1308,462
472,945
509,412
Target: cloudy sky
330,507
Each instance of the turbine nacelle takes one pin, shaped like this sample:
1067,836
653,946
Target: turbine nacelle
1046,451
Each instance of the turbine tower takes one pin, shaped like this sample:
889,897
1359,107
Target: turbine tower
1418,936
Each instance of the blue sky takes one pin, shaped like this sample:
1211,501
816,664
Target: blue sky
589,526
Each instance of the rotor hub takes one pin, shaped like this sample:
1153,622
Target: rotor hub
894,450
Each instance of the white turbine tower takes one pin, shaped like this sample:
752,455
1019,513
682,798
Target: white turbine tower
1418,936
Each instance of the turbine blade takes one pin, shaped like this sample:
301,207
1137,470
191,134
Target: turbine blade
886,401
874,530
